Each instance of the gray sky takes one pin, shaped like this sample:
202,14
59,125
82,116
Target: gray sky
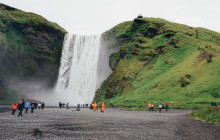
97,16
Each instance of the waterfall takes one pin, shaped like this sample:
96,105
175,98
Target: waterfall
77,80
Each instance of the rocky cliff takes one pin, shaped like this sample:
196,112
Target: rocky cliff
30,48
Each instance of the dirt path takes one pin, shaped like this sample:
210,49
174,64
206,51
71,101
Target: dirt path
113,124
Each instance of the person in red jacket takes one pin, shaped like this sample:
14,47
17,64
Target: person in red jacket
14,108
166,106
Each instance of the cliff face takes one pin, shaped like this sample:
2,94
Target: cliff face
161,61
30,47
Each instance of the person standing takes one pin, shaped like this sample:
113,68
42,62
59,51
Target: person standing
27,104
14,107
35,105
152,107
20,107
60,104
213,104
67,105
42,106
103,107
23,105
149,105
95,107
91,106
166,106
32,107
160,107
39,105
78,107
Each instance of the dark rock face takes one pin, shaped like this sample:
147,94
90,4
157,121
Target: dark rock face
30,46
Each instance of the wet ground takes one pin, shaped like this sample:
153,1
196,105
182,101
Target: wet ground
54,123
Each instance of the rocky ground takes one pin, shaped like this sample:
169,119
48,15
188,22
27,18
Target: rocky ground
54,123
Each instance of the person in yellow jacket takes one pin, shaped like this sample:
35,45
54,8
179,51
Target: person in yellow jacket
149,106
103,107
94,106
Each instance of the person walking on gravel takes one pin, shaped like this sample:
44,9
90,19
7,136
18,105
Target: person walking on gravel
27,104
67,105
20,107
103,107
39,105
166,106
149,105
42,106
32,107
213,104
160,107
14,108
60,104
35,105
95,107
152,107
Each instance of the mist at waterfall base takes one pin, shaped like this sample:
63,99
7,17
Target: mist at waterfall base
84,65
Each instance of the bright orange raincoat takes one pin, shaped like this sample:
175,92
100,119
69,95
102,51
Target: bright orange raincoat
14,106
103,107
94,106
149,105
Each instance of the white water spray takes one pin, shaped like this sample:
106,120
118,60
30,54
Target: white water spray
77,78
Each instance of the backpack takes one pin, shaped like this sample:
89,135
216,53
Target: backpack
21,102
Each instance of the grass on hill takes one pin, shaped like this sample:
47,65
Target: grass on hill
208,114
159,62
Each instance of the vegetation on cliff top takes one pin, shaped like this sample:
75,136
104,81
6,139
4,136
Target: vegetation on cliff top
161,61
30,48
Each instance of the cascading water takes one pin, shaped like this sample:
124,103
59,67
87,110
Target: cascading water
77,80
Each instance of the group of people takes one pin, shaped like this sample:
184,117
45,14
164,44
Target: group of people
25,105
214,104
62,105
151,106
94,107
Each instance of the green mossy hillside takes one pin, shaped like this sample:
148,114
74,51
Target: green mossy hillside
161,61
30,48
208,114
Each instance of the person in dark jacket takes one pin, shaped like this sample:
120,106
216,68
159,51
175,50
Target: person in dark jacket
35,105
21,107
42,106
60,104
32,107
215,104
166,106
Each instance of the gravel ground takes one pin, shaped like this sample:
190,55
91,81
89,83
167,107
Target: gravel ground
54,123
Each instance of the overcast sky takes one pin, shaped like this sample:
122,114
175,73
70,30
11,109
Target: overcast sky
97,16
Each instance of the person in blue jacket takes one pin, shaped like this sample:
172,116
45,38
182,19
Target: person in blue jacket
27,104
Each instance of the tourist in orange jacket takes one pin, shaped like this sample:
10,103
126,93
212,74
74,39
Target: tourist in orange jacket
14,108
94,106
103,107
149,106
